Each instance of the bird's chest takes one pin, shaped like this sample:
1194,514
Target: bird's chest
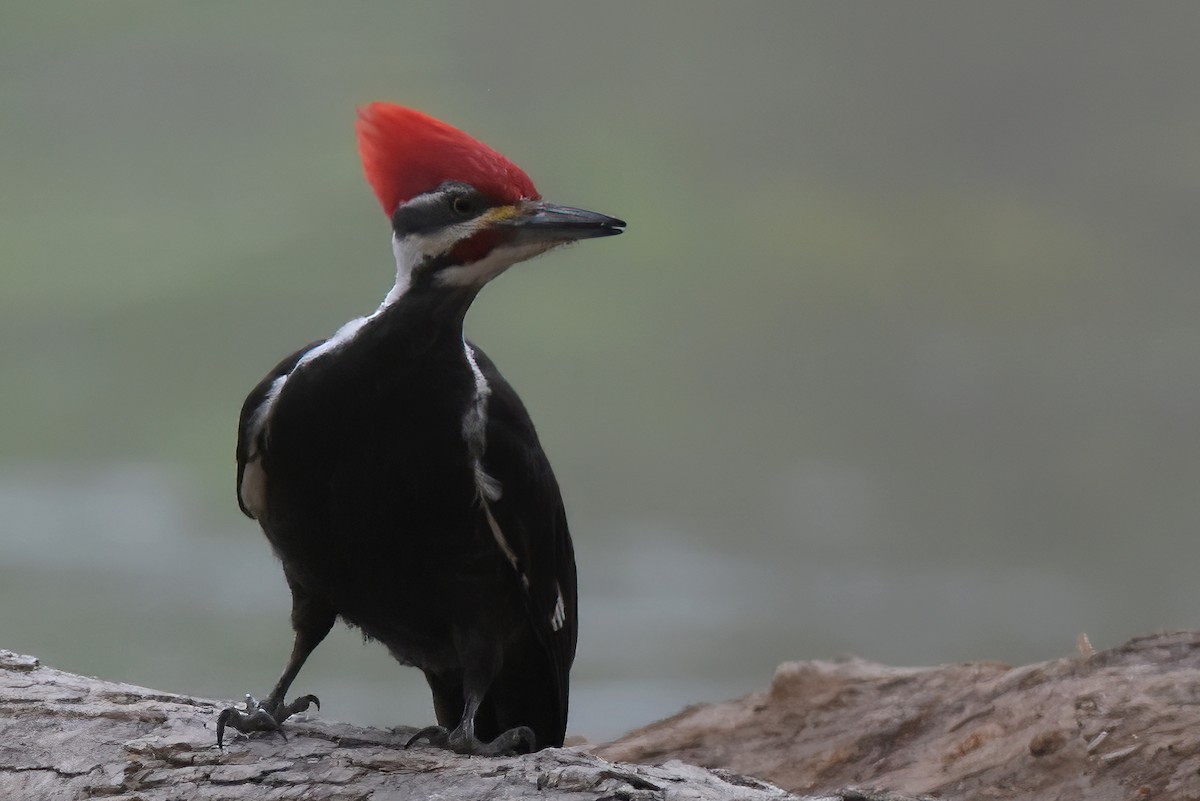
389,443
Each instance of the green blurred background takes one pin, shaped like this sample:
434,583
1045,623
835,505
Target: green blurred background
899,357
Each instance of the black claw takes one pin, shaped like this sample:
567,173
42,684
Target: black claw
437,736
259,720
301,704
262,716
222,719
507,744
524,733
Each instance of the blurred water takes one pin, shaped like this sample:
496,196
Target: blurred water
899,357
129,585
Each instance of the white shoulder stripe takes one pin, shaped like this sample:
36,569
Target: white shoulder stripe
349,330
253,489
474,431
262,415
339,338
259,418
475,418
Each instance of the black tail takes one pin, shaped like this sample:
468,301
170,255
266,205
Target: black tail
526,693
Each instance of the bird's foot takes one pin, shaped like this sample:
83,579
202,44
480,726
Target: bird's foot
509,743
262,715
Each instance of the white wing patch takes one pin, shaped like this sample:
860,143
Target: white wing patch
487,488
505,548
558,617
253,490
474,430
262,415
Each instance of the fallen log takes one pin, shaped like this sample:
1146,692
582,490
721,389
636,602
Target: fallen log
1118,724
68,737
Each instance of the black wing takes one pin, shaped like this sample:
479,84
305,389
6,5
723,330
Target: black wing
531,516
250,429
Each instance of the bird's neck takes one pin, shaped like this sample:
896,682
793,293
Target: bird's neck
405,265
422,318
417,315
421,304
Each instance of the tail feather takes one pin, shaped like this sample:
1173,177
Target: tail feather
525,693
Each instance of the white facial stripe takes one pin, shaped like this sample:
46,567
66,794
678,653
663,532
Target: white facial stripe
406,260
500,259
440,241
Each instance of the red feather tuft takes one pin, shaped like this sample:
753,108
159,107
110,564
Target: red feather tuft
405,153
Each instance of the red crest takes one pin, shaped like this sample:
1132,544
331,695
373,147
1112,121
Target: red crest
405,152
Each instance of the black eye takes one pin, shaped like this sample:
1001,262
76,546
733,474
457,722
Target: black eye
461,205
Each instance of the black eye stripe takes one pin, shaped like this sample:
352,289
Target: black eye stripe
450,203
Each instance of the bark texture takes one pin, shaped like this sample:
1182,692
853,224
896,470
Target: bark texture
64,736
1120,724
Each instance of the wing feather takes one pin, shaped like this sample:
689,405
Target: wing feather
251,429
531,514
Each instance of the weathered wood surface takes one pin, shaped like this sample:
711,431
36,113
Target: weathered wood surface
1109,726
1120,724
64,736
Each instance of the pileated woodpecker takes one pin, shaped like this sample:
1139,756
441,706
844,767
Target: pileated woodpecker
398,476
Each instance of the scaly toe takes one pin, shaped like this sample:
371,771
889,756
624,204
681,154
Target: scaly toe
437,736
258,720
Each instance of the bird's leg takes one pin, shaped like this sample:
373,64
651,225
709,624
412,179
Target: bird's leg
462,739
311,620
481,659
